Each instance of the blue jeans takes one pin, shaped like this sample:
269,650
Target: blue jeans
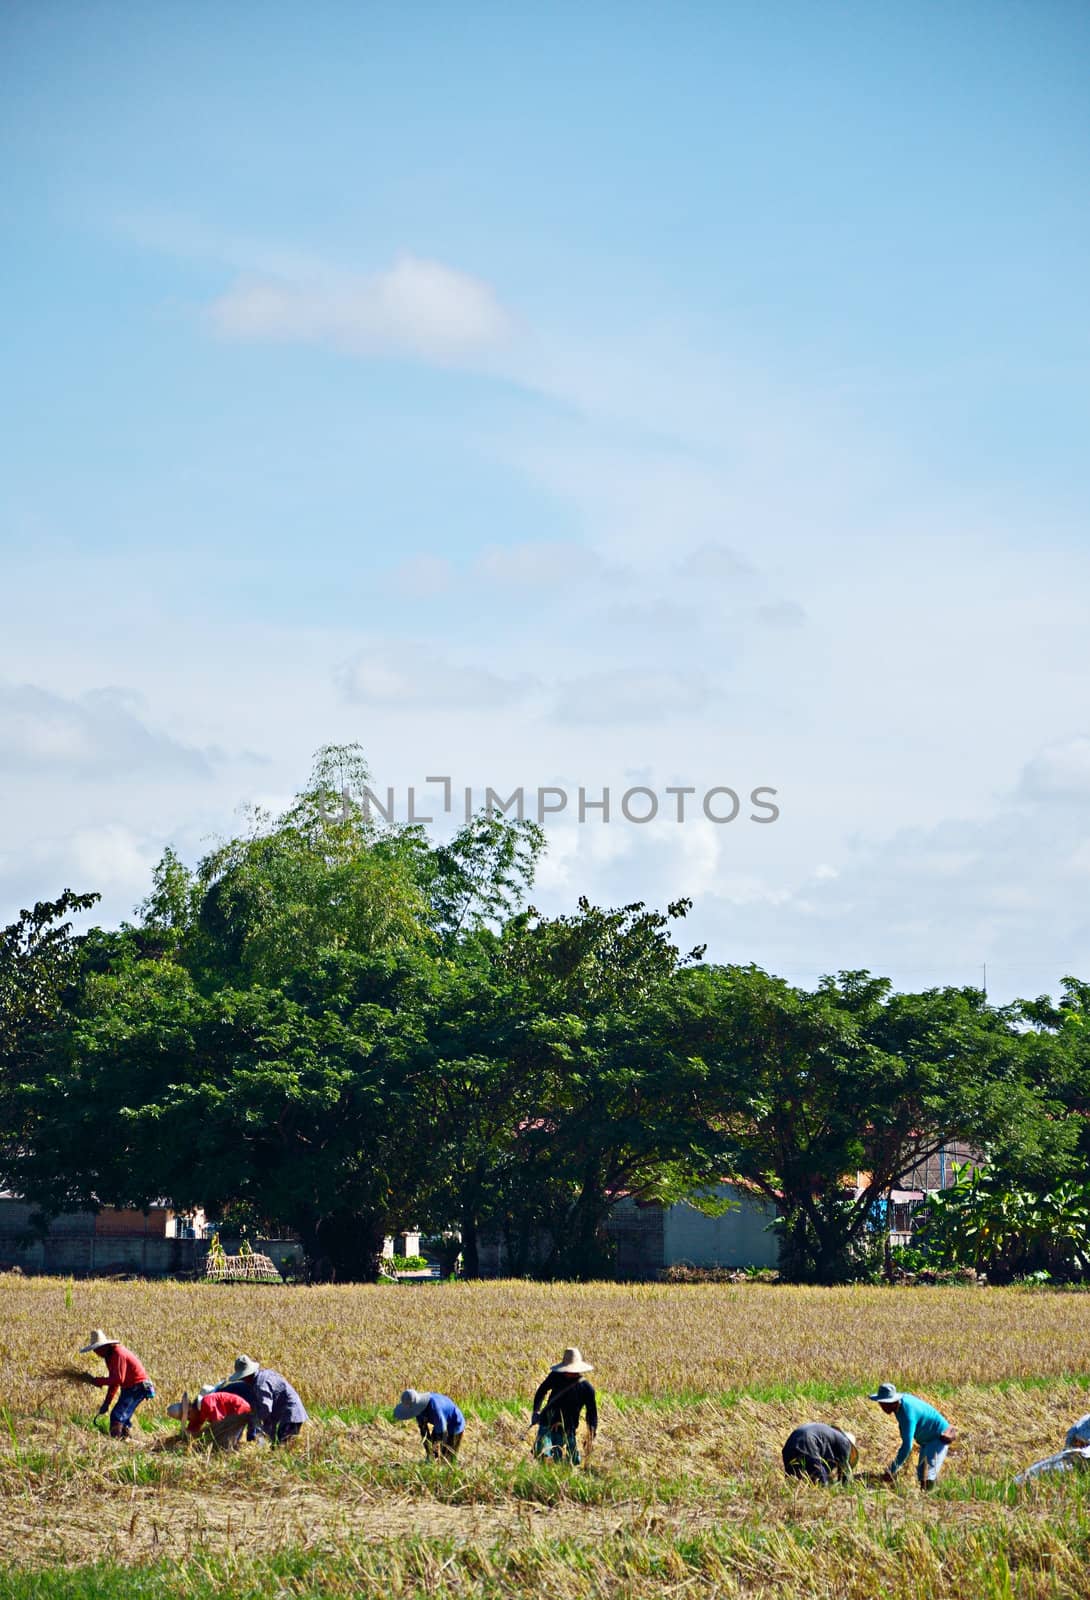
932,1456
123,1412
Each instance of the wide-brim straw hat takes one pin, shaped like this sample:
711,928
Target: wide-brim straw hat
573,1362
853,1454
179,1409
98,1342
245,1367
411,1404
888,1394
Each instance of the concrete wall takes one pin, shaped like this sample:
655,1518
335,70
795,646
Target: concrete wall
286,1254
79,1245
650,1238
72,1255
741,1238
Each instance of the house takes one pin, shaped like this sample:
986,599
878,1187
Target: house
158,1242
937,1172
650,1237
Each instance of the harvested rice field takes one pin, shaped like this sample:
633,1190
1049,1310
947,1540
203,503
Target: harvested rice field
683,1492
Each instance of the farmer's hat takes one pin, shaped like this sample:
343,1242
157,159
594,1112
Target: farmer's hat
888,1394
411,1404
99,1341
179,1410
245,1367
573,1362
853,1454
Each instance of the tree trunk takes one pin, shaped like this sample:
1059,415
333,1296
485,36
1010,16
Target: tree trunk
471,1255
350,1243
582,1254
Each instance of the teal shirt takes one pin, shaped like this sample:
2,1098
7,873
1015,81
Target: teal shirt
919,1424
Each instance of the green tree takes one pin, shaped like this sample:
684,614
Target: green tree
254,1042
829,1099
986,1222
38,960
564,1101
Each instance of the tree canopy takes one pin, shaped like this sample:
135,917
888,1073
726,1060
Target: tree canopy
339,1028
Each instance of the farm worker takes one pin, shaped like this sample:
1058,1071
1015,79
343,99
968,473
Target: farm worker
561,1397
1078,1434
1075,1458
815,1450
1075,1455
125,1377
437,1412
227,1416
278,1412
920,1424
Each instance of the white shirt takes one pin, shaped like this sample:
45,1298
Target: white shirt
1078,1433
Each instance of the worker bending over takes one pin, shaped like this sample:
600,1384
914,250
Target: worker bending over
277,1411
125,1378
921,1425
437,1413
227,1416
561,1397
819,1452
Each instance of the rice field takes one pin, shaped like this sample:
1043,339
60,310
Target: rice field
682,1493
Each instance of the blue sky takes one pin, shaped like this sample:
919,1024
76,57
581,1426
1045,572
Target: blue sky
563,395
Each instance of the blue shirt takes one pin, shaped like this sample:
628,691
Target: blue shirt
919,1423
443,1416
274,1400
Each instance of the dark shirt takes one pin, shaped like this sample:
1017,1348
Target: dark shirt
567,1397
817,1444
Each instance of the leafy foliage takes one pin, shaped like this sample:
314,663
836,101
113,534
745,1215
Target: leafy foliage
340,1028
985,1222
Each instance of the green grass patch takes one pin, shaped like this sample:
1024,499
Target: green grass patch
996,1560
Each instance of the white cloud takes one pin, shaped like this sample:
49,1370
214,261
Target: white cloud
110,860
405,675
715,563
656,616
632,695
96,735
422,306
424,575
781,614
1060,772
537,564
933,905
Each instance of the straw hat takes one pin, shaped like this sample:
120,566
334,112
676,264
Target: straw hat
411,1404
245,1367
179,1409
888,1394
99,1341
573,1362
853,1454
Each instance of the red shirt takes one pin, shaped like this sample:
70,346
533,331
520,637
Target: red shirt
123,1369
214,1407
